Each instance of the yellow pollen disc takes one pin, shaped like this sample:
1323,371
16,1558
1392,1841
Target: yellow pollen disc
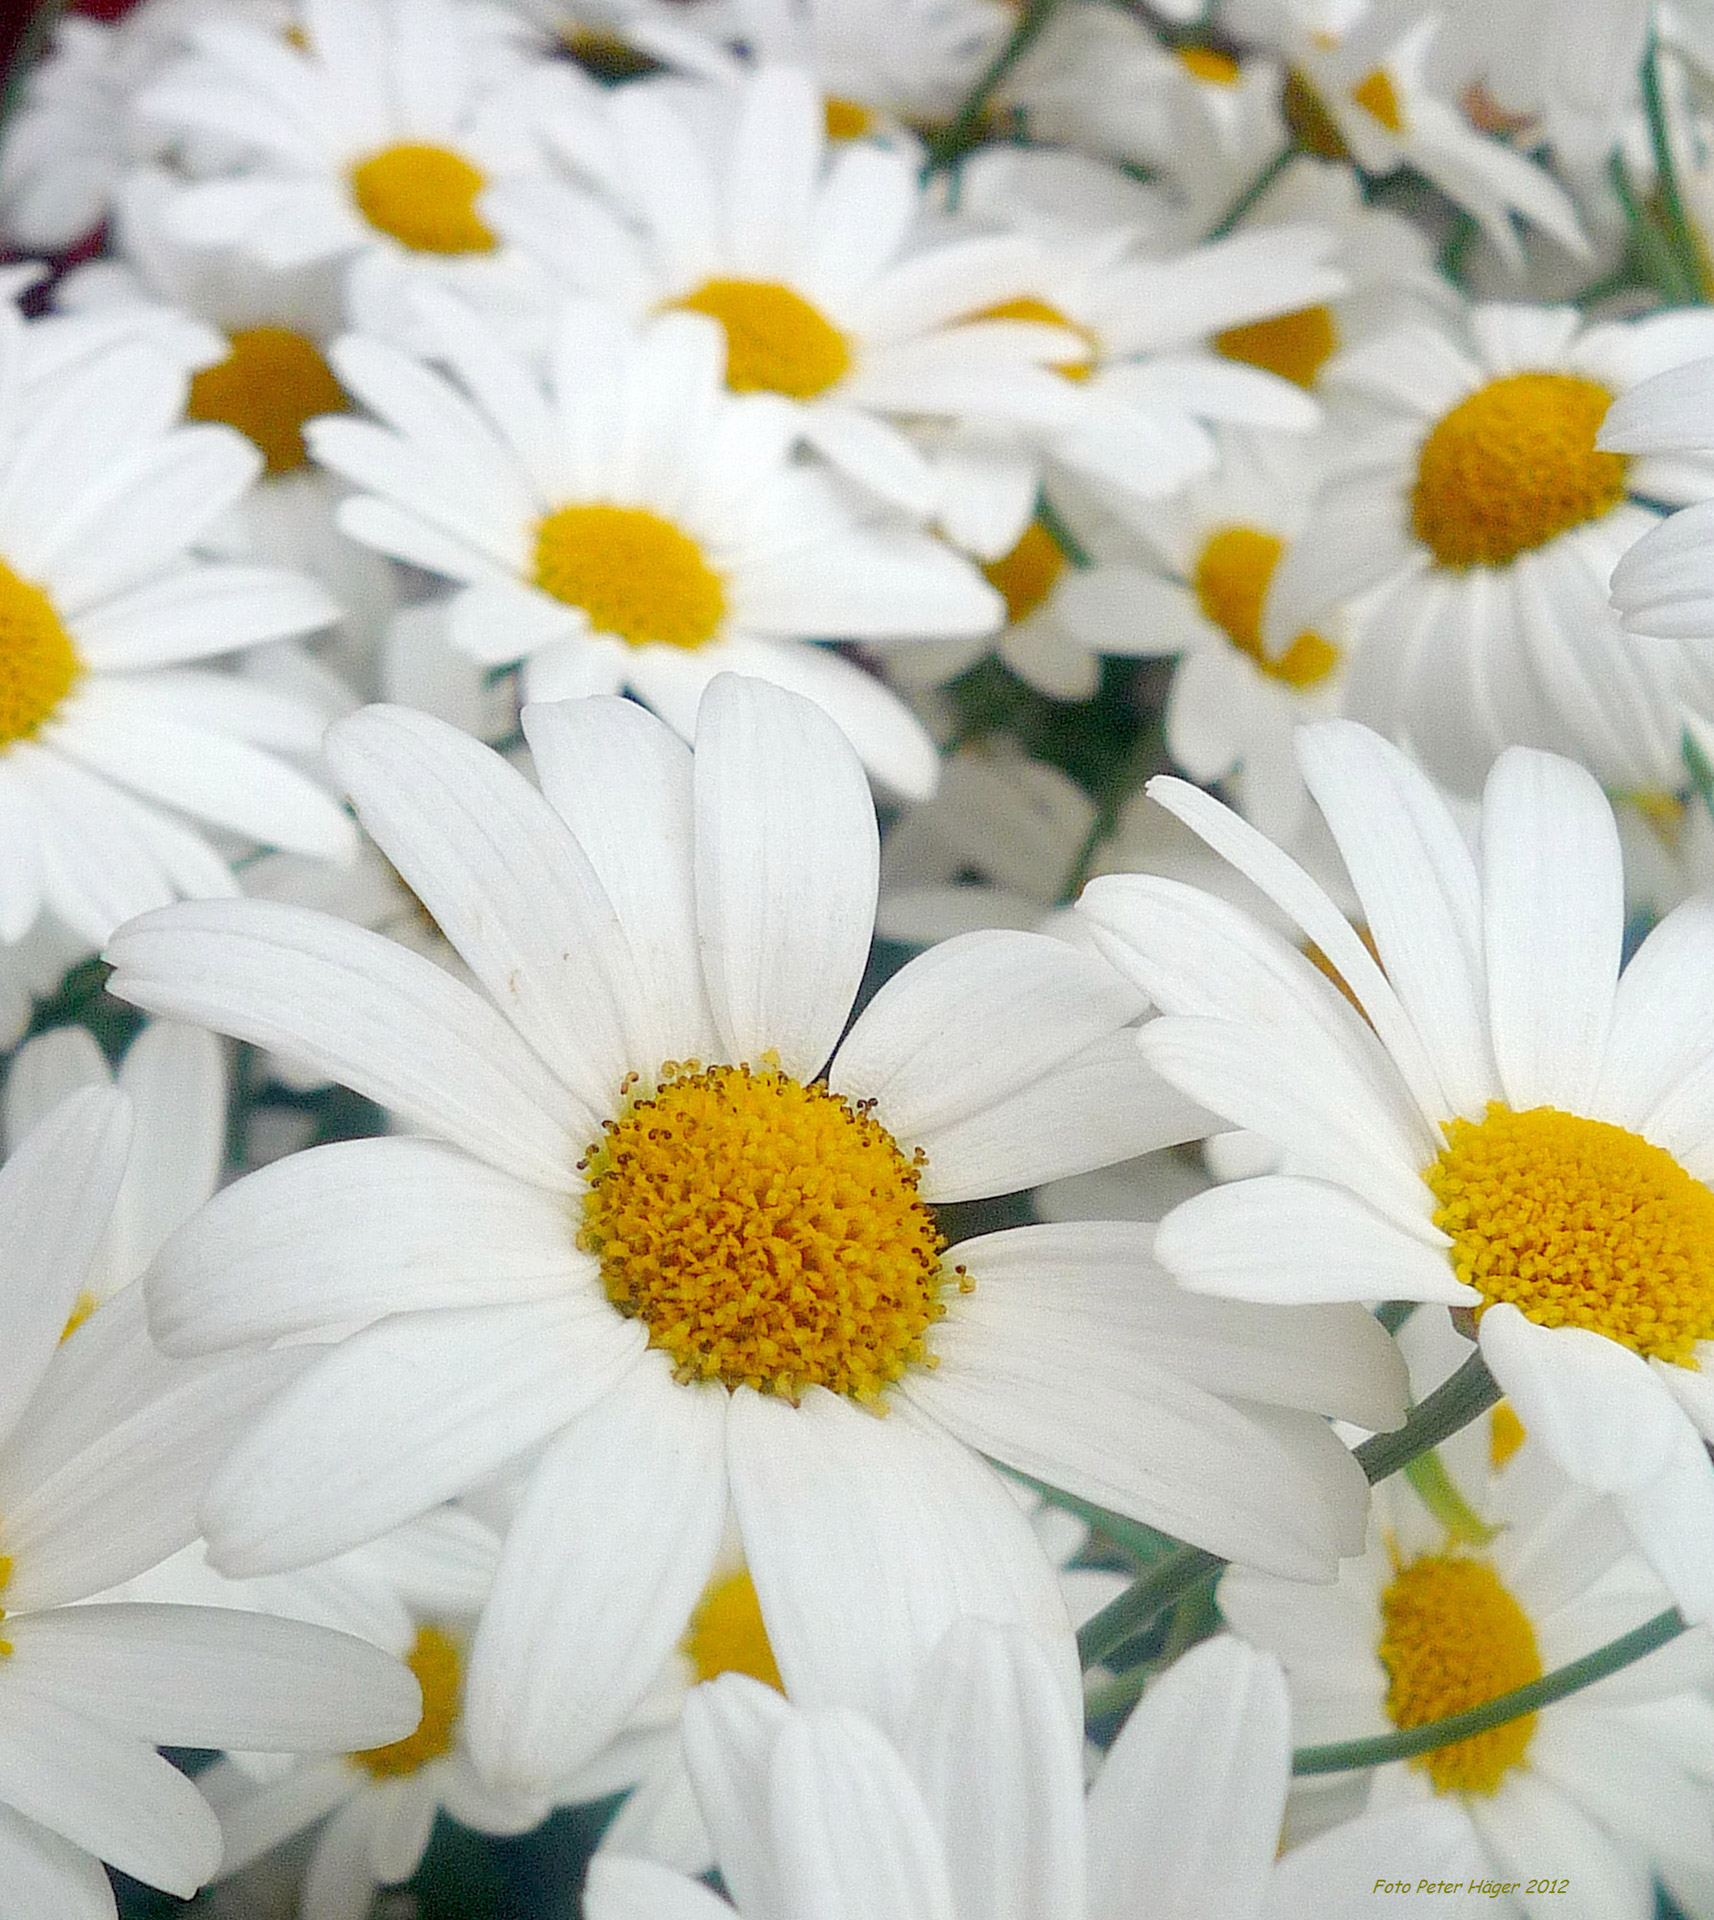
38,662
1513,466
776,342
1377,95
424,196
1024,577
1306,116
847,119
1452,1638
1028,307
768,1233
1209,64
635,575
1579,1224
271,382
5,1576
1231,582
81,1308
1296,346
434,1660
727,1635
1505,1435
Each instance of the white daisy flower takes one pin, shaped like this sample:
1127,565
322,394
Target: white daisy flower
1479,509
1217,548
626,1055
104,1450
632,525
371,144
976,1804
1665,583
1518,1575
175,1080
660,1819
816,268
1520,1129
104,720
1356,91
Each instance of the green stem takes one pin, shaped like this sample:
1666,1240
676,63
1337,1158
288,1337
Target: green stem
1679,232
1696,764
1169,1579
1252,193
963,129
1345,1755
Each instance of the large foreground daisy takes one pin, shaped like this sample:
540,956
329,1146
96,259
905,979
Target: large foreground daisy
650,1235
1478,503
1507,1125
632,525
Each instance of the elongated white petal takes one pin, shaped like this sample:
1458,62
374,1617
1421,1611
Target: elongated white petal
1430,1840
851,1833
56,1193
621,1889
1185,1813
730,1727
46,1877
787,872
1663,1019
352,1231
1553,903
405,1414
1528,1818
601,1568
997,1760
366,1012
215,1677
256,1817
176,1079
867,1537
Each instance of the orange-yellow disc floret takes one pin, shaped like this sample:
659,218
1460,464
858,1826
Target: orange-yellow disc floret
1453,1638
38,663
434,1660
776,342
727,1633
1026,574
424,196
636,575
271,382
1294,345
768,1233
1231,581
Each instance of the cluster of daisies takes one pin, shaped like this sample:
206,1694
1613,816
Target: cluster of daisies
857,959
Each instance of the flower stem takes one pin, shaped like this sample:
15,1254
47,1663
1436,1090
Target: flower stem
1345,1755
1679,233
1166,1581
961,132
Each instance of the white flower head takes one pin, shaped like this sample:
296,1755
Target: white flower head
631,524
668,946
104,1449
1521,1130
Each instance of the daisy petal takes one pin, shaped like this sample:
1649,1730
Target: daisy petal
46,1877
621,1889
834,1504
601,1568
730,1727
1528,1820
1553,901
1426,1840
405,1414
787,872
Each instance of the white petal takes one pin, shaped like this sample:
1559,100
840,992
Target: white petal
998,1763
787,865
176,1079
1663,1022
1671,412
352,1231
1185,1813
601,1569
46,1877
730,1727
1528,1820
366,1012
1553,903
405,1414
1336,1871
256,1818
621,1889
215,1677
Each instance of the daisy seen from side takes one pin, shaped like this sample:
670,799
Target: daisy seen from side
630,524
1509,1124
668,947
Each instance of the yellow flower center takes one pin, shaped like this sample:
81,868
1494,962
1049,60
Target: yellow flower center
1579,1224
1231,582
776,342
1296,346
38,662
1513,466
424,196
847,119
636,575
1044,313
81,1308
1376,95
271,382
5,1577
1452,1638
1024,577
1505,1435
434,1660
1210,65
768,1233
727,1634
